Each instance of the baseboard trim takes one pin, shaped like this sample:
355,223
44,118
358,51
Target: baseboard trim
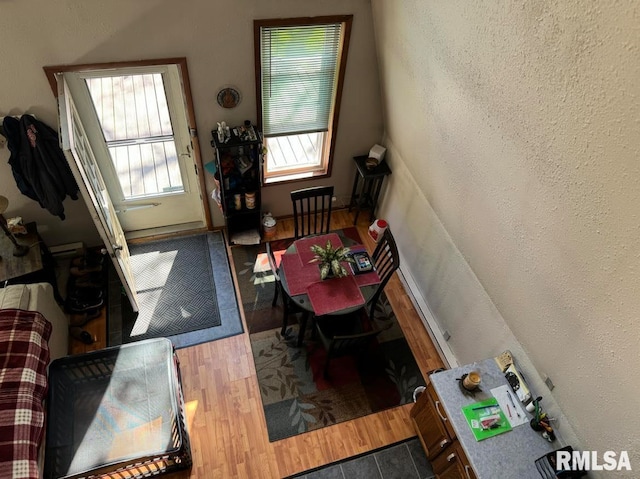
68,249
427,317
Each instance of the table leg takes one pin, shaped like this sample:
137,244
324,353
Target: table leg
303,327
49,266
353,191
376,194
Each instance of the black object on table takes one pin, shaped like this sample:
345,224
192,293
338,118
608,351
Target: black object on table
366,186
118,412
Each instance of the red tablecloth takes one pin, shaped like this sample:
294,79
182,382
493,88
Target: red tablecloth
334,294
298,276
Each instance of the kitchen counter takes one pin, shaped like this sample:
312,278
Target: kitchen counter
511,454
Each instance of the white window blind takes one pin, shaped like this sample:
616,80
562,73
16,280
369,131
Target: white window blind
299,66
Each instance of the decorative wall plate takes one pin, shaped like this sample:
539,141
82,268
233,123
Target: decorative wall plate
228,98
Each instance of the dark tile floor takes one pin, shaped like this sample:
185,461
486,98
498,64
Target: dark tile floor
405,460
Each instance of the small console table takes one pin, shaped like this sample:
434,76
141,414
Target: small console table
367,185
36,266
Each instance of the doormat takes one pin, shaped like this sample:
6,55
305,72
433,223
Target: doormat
185,291
295,396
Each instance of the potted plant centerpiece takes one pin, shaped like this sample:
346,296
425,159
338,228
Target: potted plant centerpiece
330,259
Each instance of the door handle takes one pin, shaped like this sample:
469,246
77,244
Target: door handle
188,151
442,416
116,247
137,207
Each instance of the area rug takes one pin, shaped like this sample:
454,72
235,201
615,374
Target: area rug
295,396
184,289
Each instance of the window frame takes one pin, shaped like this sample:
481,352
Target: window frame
305,173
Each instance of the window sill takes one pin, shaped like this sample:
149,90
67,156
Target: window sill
294,177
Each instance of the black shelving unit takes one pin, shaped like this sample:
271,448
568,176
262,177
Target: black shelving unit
239,163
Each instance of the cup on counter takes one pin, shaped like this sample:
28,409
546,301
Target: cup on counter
472,380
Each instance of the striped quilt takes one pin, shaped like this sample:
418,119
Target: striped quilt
24,355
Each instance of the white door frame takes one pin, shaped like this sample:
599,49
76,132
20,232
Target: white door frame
76,147
197,164
153,211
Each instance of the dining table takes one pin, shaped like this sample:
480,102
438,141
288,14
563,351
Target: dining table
300,277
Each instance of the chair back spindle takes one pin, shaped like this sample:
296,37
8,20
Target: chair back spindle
312,210
386,260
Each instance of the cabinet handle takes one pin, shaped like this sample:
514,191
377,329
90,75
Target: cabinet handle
466,471
443,443
444,418
451,457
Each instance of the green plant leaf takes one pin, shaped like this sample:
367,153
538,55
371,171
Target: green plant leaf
336,268
324,271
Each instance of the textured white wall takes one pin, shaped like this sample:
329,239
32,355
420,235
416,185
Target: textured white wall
514,141
216,37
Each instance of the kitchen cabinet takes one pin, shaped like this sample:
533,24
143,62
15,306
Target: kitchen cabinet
452,463
438,438
511,454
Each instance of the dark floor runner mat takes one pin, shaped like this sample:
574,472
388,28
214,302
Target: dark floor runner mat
175,287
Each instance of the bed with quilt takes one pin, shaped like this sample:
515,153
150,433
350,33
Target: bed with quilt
33,332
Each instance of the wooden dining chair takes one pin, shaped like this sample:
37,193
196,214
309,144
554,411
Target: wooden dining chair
352,334
312,210
386,260
288,306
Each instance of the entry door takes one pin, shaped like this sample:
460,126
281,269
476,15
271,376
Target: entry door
136,120
81,159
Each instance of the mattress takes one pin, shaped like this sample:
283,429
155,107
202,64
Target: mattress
24,355
39,297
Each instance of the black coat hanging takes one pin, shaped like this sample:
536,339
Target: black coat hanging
40,169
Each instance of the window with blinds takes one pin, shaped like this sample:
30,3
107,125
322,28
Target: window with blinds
300,65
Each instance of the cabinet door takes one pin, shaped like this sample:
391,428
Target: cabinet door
452,464
429,426
441,412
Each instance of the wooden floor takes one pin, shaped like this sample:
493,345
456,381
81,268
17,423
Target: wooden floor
225,416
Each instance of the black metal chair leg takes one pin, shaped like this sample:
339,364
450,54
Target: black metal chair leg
285,315
303,327
275,295
325,372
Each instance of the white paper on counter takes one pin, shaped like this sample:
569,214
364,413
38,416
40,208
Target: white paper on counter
515,415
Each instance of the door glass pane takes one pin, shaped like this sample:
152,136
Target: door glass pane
136,124
83,151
